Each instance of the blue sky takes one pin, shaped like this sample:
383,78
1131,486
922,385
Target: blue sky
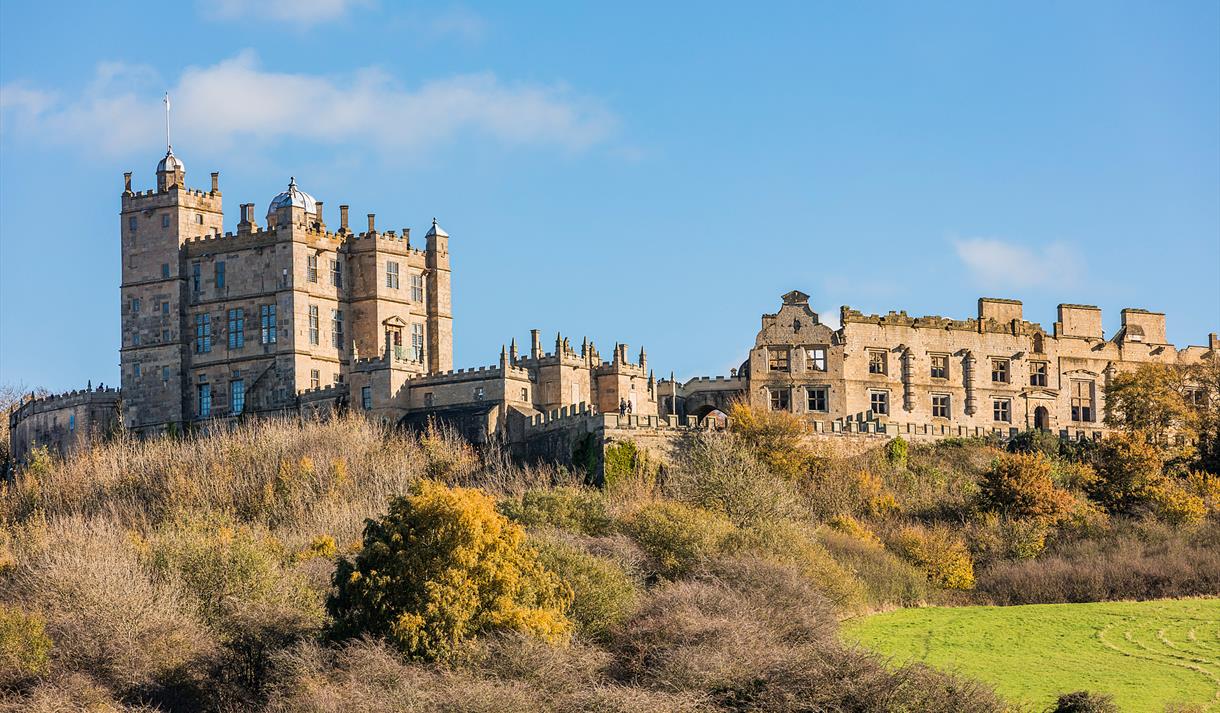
632,172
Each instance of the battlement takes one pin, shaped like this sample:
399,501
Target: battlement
322,393
582,413
471,374
900,318
31,405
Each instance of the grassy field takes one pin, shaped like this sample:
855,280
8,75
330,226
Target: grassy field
1146,654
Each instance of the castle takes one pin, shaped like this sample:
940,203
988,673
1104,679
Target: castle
293,318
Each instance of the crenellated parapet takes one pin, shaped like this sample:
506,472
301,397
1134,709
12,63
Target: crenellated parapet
32,405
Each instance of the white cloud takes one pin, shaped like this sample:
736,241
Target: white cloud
993,262
302,13
238,103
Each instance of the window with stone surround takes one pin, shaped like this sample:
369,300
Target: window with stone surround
266,319
941,406
336,328
1000,371
817,398
203,395
417,342
237,396
777,358
417,287
877,361
366,397
336,273
315,378
1037,373
779,399
203,333
311,268
313,324
237,328
879,402
220,274
429,399
1082,401
815,359
391,275
940,366
1002,410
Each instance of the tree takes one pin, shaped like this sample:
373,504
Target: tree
1020,486
1204,380
443,566
776,437
1152,400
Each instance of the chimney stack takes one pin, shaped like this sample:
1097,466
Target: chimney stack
127,182
535,344
215,181
343,218
318,205
372,227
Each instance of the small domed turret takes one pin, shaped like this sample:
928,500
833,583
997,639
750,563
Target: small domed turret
171,163
293,197
170,172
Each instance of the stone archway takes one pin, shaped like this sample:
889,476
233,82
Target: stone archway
1042,419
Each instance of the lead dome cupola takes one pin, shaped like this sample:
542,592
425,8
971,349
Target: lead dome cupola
293,197
170,163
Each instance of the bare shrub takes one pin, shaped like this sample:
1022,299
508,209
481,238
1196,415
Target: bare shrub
1132,563
107,616
718,630
717,471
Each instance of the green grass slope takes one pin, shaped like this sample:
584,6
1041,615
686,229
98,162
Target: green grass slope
1146,654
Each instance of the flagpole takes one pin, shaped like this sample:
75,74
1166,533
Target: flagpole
169,148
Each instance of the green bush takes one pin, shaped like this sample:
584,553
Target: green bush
941,554
443,566
679,537
896,451
25,647
603,593
623,462
573,509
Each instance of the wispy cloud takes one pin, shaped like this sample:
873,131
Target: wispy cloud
301,13
458,22
237,102
993,262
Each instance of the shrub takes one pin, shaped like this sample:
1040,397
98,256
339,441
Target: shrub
1020,486
1128,564
887,580
852,527
24,646
603,594
775,437
857,492
1200,483
226,565
716,471
1128,468
1174,503
624,463
942,555
569,508
678,537
1035,441
793,545
106,616
1084,702
896,451
443,566
994,538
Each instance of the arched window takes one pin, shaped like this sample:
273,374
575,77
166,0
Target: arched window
1038,346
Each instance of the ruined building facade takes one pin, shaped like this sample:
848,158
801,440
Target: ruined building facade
933,376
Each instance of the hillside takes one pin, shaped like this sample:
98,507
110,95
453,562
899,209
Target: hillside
326,566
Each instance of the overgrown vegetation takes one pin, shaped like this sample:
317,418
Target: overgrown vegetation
337,565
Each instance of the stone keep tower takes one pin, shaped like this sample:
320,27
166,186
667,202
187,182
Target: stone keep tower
153,227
